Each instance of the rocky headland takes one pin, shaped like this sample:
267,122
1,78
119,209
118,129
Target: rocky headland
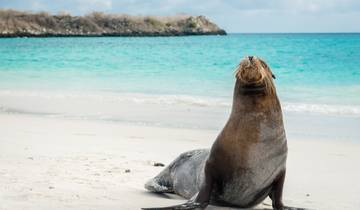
26,24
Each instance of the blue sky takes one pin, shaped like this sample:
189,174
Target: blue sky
232,15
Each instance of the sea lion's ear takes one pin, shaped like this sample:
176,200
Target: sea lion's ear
264,64
267,67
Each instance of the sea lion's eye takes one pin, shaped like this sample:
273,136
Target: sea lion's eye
273,76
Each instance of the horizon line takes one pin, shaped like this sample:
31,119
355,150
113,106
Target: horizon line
310,32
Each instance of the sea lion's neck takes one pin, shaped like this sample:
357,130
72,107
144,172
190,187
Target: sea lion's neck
253,100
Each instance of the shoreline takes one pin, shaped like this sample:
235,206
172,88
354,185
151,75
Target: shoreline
110,35
175,111
52,163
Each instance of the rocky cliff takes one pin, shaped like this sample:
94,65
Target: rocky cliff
24,24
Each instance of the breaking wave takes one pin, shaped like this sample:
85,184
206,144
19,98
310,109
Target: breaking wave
164,100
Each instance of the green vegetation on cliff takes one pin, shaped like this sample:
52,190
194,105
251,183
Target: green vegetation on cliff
22,24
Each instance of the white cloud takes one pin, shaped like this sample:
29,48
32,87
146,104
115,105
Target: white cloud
83,7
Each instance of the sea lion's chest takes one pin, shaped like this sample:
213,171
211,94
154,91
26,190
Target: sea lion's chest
251,163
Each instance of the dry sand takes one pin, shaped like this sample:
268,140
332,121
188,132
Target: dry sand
51,163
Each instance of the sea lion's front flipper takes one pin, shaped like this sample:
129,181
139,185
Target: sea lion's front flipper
277,191
292,208
186,206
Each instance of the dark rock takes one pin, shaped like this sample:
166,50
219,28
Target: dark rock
159,164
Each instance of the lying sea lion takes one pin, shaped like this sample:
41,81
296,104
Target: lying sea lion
247,161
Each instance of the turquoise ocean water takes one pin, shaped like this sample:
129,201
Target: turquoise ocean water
315,72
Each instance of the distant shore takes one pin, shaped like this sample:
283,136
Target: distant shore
25,24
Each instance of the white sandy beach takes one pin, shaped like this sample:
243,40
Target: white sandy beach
56,163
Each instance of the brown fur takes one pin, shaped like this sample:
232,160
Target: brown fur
247,161
255,104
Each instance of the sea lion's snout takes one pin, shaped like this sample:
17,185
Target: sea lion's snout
254,75
250,70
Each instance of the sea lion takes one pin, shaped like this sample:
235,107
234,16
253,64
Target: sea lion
247,161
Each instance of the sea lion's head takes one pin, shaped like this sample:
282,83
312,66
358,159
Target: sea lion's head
254,77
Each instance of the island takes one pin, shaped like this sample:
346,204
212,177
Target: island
27,24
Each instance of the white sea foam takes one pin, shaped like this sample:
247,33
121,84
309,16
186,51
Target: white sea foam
121,97
323,109
165,100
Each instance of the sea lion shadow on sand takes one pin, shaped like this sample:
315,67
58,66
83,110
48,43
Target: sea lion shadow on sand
247,161
172,196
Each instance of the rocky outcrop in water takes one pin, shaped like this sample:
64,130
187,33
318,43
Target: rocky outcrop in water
24,24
